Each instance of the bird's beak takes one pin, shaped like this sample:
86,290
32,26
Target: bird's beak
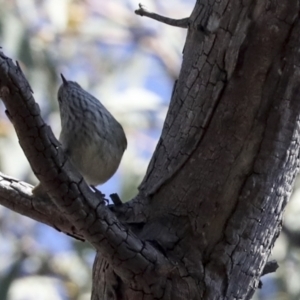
65,81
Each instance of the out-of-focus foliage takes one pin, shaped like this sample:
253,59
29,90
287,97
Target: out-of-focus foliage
130,64
126,61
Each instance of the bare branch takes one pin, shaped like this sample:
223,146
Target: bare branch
16,195
83,208
182,23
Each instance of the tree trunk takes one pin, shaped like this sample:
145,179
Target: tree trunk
210,206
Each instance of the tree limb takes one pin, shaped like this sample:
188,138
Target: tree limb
16,195
182,23
72,196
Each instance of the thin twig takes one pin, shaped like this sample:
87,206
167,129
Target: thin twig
182,23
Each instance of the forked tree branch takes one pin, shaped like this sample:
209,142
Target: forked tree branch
16,195
74,199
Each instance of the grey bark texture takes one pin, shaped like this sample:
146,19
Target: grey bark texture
210,206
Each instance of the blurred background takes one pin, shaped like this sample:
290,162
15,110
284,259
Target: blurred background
130,64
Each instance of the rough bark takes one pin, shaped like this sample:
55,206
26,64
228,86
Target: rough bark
210,206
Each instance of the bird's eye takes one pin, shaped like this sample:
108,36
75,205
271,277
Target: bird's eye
59,99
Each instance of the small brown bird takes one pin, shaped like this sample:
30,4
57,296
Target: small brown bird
91,137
